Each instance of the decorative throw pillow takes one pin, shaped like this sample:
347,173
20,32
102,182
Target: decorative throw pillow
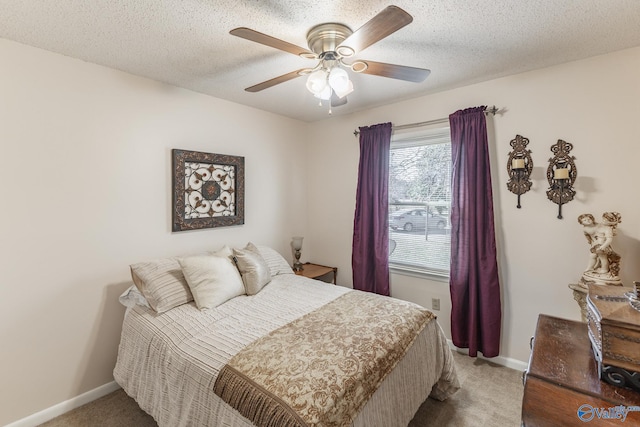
276,262
253,268
162,283
212,279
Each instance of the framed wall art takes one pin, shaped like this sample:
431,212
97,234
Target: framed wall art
208,190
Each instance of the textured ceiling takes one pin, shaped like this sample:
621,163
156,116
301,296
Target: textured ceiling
187,43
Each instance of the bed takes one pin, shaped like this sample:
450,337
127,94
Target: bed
171,357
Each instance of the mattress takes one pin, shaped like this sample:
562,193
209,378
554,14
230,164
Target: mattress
169,362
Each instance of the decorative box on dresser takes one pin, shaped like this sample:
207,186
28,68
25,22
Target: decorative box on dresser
562,385
614,331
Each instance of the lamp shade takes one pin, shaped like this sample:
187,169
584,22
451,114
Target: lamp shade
317,82
325,95
338,79
344,92
297,243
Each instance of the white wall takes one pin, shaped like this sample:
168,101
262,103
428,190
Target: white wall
592,104
85,184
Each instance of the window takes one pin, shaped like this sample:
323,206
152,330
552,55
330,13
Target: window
419,202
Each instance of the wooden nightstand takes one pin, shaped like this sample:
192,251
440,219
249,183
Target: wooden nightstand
318,272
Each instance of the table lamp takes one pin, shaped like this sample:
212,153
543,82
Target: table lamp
297,246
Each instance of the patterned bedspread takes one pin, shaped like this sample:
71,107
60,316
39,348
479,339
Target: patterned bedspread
320,369
169,363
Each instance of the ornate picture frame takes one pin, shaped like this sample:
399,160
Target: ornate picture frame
208,190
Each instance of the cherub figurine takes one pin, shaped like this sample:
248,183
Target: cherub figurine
604,262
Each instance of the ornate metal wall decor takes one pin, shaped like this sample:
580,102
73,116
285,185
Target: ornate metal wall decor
561,174
208,190
519,167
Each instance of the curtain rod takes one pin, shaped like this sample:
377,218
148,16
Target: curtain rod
489,110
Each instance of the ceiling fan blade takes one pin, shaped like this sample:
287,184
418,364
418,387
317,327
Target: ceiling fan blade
277,80
400,72
255,36
380,26
337,101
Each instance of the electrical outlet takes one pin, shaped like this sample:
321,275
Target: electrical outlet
435,303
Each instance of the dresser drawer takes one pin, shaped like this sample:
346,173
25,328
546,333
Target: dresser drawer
549,405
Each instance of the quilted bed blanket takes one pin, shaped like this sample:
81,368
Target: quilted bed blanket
169,363
320,369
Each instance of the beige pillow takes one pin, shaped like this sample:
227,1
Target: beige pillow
224,251
276,262
253,268
212,279
162,283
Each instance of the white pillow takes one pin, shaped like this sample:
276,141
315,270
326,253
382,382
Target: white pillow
132,297
253,268
277,264
212,279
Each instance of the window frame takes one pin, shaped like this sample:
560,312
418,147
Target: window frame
434,135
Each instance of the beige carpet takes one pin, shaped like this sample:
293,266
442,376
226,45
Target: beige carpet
491,395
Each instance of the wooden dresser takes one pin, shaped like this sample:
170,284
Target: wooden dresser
562,386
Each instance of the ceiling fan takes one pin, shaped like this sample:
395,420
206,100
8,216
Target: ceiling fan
330,44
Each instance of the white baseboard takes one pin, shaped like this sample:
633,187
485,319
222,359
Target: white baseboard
518,365
66,406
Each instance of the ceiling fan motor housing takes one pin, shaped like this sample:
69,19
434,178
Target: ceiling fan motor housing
323,39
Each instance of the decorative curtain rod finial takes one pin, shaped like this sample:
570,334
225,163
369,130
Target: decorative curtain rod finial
491,110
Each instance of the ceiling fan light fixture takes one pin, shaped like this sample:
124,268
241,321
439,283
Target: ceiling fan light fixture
338,79
344,92
325,95
317,82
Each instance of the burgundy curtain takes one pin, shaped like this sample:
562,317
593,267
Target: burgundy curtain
370,256
475,290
